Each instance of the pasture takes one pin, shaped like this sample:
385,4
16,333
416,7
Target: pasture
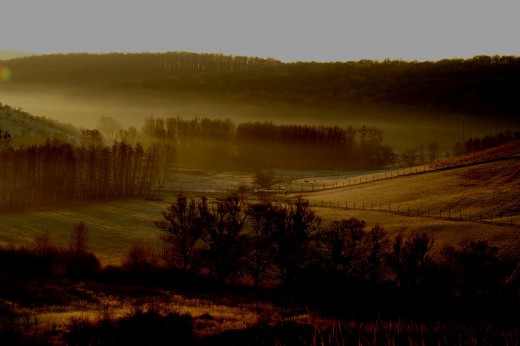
459,202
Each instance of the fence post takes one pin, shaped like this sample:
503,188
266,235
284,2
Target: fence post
449,214
379,206
363,205
460,215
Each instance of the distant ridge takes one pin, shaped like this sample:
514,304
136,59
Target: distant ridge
483,85
11,54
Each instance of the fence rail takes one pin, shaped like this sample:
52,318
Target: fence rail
310,185
492,217
283,195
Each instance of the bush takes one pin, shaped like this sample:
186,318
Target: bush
138,328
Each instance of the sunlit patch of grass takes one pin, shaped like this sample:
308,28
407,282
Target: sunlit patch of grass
211,316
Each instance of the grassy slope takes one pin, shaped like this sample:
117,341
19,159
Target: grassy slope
476,189
27,129
470,190
113,226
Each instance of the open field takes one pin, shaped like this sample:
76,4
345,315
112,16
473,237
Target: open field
113,226
469,192
404,203
477,190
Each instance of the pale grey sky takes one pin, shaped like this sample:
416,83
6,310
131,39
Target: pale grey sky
289,30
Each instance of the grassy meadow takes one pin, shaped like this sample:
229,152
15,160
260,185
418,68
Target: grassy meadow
468,192
442,268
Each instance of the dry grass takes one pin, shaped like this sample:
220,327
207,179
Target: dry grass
476,189
113,226
471,191
467,192
211,316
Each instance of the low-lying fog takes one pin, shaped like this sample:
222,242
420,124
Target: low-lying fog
402,129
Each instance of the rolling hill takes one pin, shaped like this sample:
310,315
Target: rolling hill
482,85
464,196
27,129
12,54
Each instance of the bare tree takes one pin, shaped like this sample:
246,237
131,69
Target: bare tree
265,218
225,238
79,238
375,245
433,150
91,137
410,257
421,154
340,242
110,128
409,157
264,179
291,239
42,242
182,224
165,154
5,139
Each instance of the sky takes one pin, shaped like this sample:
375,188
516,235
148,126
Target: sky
288,30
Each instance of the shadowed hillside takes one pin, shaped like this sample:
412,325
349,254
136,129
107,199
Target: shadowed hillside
483,85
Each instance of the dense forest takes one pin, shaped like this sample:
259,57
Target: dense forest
481,85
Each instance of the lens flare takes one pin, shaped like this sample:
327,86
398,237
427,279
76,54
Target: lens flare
5,74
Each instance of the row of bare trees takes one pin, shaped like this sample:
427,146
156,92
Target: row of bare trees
219,143
57,173
287,245
269,242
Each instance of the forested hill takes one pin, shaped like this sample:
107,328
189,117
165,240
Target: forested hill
483,84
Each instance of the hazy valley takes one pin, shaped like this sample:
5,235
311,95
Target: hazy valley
209,199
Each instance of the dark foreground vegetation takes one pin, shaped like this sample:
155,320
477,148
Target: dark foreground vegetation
351,284
482,85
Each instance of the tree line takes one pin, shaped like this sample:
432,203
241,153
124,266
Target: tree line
56,173
287,245
217,143
486,142
482,85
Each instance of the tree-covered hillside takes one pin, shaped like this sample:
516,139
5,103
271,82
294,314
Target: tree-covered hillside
482,85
